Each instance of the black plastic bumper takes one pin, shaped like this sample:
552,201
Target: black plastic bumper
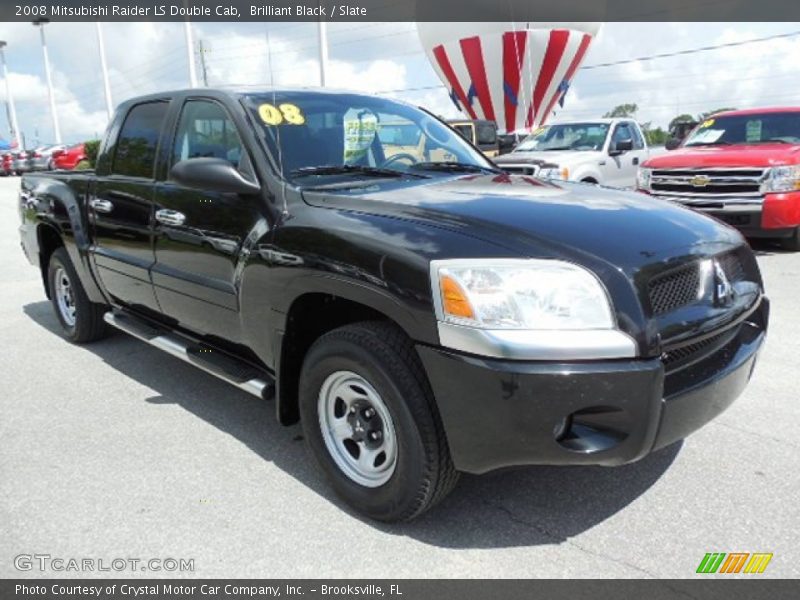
504,413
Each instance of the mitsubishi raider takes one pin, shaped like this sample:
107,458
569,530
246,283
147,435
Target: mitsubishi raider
420,315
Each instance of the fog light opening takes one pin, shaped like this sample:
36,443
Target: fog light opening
593,429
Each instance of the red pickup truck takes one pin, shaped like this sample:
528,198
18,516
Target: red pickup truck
742,167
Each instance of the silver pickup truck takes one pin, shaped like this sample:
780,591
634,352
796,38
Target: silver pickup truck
605,151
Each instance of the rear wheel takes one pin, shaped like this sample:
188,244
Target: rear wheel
370,420
81,319
792,243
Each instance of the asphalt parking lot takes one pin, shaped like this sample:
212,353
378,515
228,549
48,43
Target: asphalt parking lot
117,450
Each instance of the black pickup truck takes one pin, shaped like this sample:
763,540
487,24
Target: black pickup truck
419,311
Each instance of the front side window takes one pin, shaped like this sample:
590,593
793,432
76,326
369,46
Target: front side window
308,131
568,136
622,133
135,154
206,130
638,141
487,133
772,128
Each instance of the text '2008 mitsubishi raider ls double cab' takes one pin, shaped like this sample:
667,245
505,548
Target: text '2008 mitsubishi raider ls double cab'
420,315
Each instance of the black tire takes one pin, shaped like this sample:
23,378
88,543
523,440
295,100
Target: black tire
88,323
383,356
792,243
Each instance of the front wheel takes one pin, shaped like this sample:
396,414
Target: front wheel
371,423
81,319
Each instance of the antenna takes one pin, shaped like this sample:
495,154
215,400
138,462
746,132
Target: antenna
277,128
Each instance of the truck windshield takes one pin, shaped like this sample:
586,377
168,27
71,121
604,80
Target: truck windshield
314,135
567,136
777,128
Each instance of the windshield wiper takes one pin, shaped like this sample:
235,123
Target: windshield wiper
770,141
557,148
453,166
345,169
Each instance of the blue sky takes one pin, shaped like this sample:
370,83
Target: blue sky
385,57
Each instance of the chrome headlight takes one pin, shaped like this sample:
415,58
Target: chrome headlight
781,179
519,294
643,178
553,172
525,309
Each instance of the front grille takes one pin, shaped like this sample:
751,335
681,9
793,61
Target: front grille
674,289
733,266
684,285
519,169
692,352
744,183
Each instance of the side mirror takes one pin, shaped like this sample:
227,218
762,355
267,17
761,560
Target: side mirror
621,146
672,143
213,175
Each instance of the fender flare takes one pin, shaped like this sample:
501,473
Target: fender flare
62,212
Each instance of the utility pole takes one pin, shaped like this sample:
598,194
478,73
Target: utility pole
12,112
104,68
203,61
187,30
322,32
40,23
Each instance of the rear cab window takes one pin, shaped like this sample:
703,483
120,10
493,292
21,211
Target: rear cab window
137,144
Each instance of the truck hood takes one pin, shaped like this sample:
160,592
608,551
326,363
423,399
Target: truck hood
534,218
561,158
739,155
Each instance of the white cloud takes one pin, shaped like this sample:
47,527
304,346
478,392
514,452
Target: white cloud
145,57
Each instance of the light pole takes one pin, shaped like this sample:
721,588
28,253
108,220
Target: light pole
322,37
104,67
10,99
40,23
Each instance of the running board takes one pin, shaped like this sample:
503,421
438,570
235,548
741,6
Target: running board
247,378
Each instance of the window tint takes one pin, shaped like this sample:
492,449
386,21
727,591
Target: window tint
487,134
622,132
205,130
465,131
136,147
638,142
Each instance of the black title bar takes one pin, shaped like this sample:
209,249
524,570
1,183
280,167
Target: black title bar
402,10
717,588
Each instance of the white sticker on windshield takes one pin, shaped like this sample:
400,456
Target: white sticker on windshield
753,131
708,136
360,126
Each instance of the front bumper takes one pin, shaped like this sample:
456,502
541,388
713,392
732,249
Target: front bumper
499,413
772,216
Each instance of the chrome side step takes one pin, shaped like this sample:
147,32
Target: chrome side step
247,378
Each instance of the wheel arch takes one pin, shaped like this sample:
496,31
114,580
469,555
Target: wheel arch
309,316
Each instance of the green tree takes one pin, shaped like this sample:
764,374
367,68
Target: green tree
656,137
622,111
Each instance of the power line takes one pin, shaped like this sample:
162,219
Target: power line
690,51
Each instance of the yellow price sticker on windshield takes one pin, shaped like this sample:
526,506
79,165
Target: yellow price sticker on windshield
283,113
707,123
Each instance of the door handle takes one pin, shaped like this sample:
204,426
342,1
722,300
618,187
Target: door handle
636,160
170,217
101,206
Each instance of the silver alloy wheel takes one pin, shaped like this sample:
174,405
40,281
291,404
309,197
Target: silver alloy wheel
64,296
357,429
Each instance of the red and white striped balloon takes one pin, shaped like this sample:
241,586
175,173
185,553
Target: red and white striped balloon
511,73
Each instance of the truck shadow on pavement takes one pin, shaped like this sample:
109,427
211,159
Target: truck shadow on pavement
516,507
